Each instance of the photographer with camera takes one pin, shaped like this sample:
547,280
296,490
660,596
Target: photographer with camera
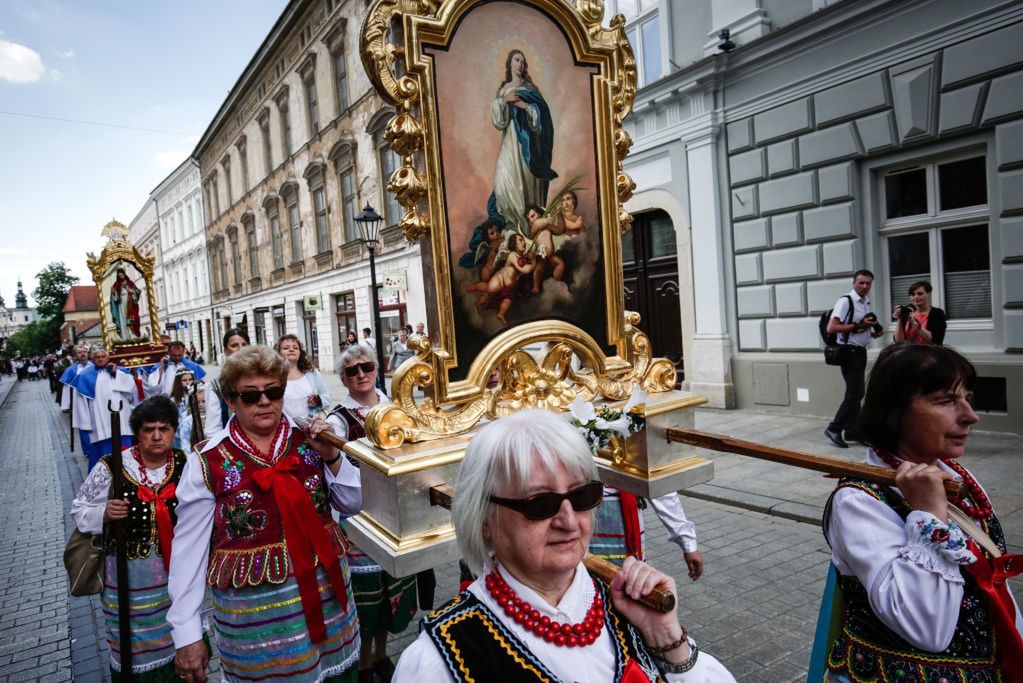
919,322
854,332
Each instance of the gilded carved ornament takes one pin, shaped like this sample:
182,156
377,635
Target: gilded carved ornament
503,377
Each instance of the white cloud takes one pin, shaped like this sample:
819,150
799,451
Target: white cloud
13,251
20,64
66,54
55,74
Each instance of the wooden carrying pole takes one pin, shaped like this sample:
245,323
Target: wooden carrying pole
820,463
117,491
443,495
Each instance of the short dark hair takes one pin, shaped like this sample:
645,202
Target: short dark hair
157,408
533,207
918,284
234,332
864,272
176,345
365,330
902,372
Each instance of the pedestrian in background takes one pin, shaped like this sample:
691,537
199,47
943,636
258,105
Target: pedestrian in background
855,324
400,352
306,394
919,322
217,409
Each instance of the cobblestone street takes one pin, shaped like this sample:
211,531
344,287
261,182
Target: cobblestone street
755,607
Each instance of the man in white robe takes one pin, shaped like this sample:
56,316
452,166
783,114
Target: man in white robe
106,386
73,402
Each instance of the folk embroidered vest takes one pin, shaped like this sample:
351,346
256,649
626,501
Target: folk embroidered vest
141,522
867,650
477,646
249,546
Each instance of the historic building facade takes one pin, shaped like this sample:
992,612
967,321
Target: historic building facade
177,202
13,320
292,155
823,137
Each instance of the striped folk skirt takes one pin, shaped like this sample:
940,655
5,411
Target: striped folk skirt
262,635
608,538
152,649
384,602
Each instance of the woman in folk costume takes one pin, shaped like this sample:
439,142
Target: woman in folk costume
385,604
151,471
217,409
254,524
523,513
924,595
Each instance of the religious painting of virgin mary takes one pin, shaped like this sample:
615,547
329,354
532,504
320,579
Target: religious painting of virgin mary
515,112
124,294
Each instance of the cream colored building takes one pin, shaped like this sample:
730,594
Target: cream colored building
292,155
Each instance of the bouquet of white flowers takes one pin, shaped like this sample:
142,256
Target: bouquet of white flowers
599,425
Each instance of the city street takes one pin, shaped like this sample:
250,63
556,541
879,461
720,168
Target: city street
755,608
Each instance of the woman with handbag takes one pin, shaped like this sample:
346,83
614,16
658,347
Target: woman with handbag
151,470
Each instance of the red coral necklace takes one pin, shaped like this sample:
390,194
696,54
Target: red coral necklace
563,635
136,454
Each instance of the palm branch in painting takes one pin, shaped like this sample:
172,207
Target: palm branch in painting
573,185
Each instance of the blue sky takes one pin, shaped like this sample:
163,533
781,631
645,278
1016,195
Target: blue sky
159,65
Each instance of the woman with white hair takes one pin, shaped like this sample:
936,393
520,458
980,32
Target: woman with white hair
523,514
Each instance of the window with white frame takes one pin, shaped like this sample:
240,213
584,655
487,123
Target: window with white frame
643,27
319,196
253,247
226,164
344,166
294,223
312,98
340,78
285,113
935,219
264,131
236,261
273,216
243,162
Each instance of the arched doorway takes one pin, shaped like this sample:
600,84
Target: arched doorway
650,269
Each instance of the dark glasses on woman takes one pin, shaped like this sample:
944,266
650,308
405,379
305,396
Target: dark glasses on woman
353,370
546,505
251,396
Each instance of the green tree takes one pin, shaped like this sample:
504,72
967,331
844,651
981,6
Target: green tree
35,338
55,282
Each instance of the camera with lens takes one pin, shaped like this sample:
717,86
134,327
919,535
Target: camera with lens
874,324
905,310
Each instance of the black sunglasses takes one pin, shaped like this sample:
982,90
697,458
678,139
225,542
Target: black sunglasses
546,505
353,370
251,396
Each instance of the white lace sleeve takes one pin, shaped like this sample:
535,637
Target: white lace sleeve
88,506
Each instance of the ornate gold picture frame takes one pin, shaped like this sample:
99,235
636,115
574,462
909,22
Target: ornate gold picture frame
509,129
125,296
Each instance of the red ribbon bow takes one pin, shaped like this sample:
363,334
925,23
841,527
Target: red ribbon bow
304,536
164,527
991,575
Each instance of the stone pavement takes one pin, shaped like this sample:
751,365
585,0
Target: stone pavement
35,643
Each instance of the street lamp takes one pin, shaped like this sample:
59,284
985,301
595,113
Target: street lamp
369,229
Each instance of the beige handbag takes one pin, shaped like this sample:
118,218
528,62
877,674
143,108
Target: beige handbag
83,560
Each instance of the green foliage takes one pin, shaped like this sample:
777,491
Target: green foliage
41,336
55,282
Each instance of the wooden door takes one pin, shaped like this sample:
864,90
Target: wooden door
650,269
